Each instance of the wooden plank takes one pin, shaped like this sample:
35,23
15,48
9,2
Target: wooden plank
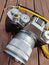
33,58
45,10
3,58
4,37
47,4
2,5
43,60
12,62
38,7
11,3
30,4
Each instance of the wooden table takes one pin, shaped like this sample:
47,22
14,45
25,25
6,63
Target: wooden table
40,6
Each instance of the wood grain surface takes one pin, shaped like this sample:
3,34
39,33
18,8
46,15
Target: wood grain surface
40,6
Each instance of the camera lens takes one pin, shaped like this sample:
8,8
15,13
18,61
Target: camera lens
20,47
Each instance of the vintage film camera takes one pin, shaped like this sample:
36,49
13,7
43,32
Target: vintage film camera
27,33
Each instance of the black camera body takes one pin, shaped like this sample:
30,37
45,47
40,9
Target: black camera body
11,27
15,20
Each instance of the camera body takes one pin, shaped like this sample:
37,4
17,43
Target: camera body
15,20
28,33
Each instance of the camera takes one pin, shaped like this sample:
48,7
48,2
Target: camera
30,31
